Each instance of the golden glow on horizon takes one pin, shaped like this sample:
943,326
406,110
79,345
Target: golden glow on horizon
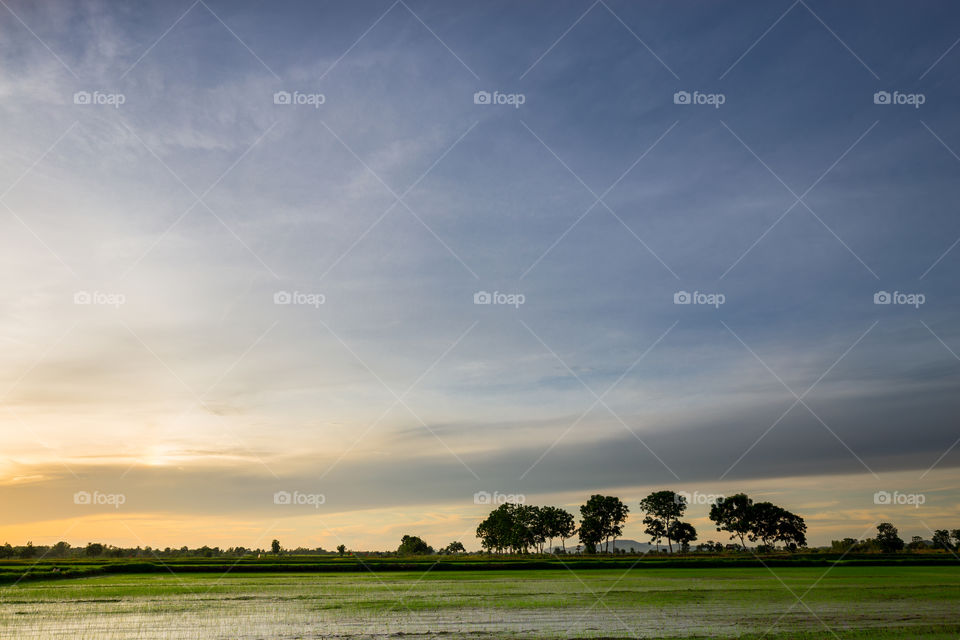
834,507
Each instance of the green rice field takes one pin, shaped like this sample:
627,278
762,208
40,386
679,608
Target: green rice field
875,602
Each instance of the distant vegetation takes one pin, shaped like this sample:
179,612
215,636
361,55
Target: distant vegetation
98,550
522,529
888,540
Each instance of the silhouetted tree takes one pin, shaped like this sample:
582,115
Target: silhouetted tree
413,545
555,523
514,527
454,547
888,538
941,539
532,519
591,533
733,514
655,530
495,532
683,533
770,523
604,516
563,526
665,506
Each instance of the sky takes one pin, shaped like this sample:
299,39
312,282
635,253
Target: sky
387,257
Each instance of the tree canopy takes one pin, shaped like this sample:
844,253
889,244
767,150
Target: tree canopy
663,509
602,519
888,538
733,514
762,521
413,545
518,527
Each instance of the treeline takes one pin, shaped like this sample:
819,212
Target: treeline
98,550
888,540
518,528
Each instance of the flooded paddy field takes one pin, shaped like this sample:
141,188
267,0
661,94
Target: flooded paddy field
845,602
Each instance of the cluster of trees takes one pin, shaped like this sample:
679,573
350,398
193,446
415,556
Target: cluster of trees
517,528
888,540
762,522
415,546
948,540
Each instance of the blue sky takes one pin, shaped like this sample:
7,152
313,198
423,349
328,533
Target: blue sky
198,200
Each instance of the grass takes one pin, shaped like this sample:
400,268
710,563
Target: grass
46,568
853,602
